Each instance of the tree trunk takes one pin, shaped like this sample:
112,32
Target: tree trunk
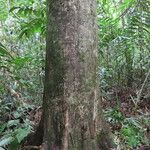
71,117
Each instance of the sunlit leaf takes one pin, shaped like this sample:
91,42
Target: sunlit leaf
4,51
5,141
22,133
3,10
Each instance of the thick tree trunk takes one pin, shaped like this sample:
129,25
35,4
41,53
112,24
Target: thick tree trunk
71,117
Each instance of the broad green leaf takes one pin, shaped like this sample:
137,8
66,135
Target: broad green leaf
13,8
4,51
16,114
14,145
20,61
22,133
5,141
125,4
2,127
132,141
3,10
12,123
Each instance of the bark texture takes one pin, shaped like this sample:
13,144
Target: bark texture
71,117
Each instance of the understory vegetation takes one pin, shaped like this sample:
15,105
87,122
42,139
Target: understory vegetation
124,70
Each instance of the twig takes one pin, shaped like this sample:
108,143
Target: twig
140,92
31,147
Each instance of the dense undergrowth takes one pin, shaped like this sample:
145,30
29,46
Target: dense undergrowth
124,70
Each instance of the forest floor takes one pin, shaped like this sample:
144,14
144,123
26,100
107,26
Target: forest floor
129,121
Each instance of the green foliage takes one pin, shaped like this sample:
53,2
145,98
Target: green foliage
124,40
4,51
32,17
14,138
124,36
13,132
6,141
21,59
130,135
114,115
3,10
131,130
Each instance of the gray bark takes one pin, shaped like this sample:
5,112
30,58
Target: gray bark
71,117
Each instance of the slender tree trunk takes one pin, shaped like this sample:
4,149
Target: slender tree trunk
71,103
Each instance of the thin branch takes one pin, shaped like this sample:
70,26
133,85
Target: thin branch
30,147
141,90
